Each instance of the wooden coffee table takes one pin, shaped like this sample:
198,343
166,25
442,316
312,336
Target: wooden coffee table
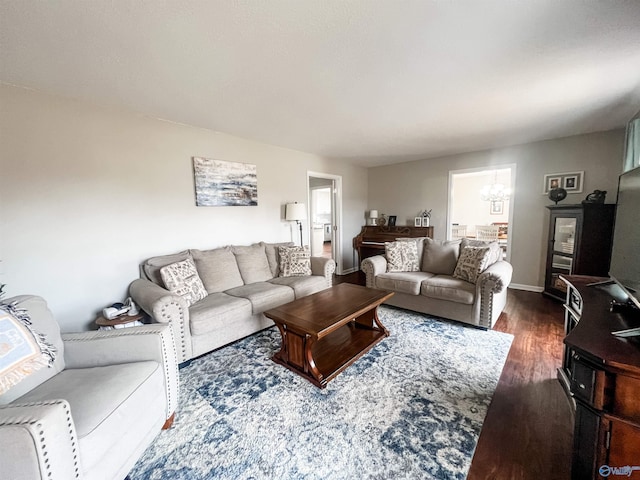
324,333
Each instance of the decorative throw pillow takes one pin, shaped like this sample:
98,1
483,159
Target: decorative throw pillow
419,241
22,349
151,267
496,251
402,256
182,279
273,256
294,261
472,261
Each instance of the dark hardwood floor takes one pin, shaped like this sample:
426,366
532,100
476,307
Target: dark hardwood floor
528,431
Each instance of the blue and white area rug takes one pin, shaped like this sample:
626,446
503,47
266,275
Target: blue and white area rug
412,407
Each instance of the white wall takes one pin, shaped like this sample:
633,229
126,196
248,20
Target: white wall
407,188
88,192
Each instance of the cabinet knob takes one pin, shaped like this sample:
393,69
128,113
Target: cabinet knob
581,386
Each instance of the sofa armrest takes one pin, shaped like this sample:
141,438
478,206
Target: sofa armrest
38,441
496,277
165,307
491,292
126,345
323,267
372,267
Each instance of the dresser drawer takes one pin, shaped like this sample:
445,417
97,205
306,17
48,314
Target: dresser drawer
574,301
588,382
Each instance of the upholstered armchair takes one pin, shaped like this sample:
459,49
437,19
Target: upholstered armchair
94,409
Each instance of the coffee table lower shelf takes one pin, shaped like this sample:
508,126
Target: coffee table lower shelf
321,360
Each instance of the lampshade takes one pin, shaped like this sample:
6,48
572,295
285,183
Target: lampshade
295,211
373,214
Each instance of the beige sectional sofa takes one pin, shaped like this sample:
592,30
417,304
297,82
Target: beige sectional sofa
241,282
434,289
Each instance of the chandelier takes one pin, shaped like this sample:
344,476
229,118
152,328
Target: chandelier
495,192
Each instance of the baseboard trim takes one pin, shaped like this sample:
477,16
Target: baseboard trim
348,271
527,288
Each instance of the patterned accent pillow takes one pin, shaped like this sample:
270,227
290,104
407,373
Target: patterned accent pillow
402,256
472,261
294,261
182,279
496,251
22,349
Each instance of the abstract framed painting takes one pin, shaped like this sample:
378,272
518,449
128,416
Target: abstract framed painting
219,183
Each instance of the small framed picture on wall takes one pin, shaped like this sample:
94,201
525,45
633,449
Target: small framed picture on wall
570,181
417,222
496,207
392,220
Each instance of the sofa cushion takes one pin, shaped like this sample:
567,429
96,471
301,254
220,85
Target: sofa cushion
252,263
273,256
472,261
216,312
496,251
440,258
182,279
151,267
302,286
103,400
264,295
402,256
218,269
446,287
294,261
404,282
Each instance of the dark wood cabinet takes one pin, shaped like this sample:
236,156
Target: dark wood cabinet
579,243
601,375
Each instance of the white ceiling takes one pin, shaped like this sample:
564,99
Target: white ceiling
372,81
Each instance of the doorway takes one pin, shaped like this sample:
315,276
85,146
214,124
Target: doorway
481,204
325,207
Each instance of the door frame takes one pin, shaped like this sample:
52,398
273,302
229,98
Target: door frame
502,166
336,214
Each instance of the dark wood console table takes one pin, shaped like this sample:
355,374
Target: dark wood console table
601,373
370,240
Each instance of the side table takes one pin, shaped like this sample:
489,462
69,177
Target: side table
121,321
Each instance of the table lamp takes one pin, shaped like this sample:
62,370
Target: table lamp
373,215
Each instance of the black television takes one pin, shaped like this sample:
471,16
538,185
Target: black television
625,252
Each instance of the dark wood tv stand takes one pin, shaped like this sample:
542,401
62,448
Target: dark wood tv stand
601,374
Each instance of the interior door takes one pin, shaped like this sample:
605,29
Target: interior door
329,219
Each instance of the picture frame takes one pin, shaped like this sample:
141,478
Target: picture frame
551,182
417,222
392,220
572,182
496,207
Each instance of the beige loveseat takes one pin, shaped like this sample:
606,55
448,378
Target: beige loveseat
434,289
241,282
92,408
